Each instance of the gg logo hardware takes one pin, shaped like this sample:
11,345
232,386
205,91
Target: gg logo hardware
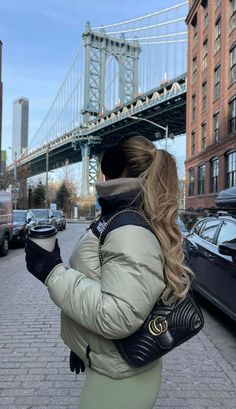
157,328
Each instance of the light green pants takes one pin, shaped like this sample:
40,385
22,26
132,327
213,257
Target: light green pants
138,392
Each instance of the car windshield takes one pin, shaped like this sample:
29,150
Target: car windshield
57,213
19,216
181,225
41,213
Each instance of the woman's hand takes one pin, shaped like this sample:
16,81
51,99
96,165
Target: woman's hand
40,262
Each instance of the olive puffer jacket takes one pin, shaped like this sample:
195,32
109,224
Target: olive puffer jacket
99,304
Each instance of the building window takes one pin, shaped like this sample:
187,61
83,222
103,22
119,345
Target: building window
193,106
203,138
217,82
231,169
214,175
201,179
194,70
194,24
205,18
232,116
191,182
204,95
217,35
204,55
232,19
193,141
216,126
233,64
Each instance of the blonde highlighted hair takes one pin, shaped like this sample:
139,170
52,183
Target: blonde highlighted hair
159,199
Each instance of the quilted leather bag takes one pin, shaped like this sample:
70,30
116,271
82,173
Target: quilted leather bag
166,327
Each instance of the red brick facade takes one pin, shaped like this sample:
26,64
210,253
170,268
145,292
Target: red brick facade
211,31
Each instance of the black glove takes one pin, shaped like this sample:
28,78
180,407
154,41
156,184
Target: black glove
76,364
40,262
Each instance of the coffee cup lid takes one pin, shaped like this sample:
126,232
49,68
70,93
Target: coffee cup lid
43,231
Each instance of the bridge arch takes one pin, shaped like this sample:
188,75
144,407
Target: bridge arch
111,83
98,46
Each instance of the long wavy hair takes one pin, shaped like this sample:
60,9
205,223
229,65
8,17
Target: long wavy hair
159,199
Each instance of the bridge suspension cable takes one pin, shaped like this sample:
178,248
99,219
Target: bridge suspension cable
153,37
65,106
147,27
141,18
183,40
67,89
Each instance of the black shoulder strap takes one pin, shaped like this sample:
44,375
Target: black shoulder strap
123,219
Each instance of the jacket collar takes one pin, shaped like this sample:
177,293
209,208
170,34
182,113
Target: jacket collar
117,194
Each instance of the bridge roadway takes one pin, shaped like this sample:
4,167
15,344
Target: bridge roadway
165,105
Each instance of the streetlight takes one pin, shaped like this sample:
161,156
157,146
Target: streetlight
15,176
46,182
164,128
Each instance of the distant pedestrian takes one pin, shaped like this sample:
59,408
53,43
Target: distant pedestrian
108,300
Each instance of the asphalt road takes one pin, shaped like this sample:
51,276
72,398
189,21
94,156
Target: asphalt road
34,371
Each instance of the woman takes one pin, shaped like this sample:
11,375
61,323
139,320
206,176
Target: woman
100,303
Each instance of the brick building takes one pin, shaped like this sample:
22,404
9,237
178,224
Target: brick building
211,101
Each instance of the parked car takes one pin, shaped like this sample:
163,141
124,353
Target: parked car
226,198
211,253
60,219
44,216
6,227
23,220
182,227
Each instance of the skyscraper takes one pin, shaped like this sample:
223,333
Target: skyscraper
20,125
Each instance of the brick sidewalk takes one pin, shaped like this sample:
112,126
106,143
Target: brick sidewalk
34,369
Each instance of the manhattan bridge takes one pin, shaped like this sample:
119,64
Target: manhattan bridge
127,76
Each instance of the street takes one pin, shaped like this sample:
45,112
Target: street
34,368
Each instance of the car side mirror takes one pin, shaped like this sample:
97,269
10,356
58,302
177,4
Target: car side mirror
228,249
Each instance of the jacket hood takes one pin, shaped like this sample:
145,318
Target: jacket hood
117,194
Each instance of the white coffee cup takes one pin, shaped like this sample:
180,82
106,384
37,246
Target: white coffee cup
44,235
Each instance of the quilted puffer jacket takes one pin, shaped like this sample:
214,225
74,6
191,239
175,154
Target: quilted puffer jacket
102,303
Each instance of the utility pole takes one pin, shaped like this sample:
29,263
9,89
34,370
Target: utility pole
46,184
164,128
15,190
15,181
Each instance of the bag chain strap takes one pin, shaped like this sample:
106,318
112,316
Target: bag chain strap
139,212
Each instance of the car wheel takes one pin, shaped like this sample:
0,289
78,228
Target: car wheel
4,247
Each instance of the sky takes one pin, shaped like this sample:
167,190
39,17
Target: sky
40,40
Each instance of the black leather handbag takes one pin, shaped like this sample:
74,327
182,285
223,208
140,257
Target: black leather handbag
166,327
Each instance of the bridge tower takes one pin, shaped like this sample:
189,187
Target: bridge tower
98,46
